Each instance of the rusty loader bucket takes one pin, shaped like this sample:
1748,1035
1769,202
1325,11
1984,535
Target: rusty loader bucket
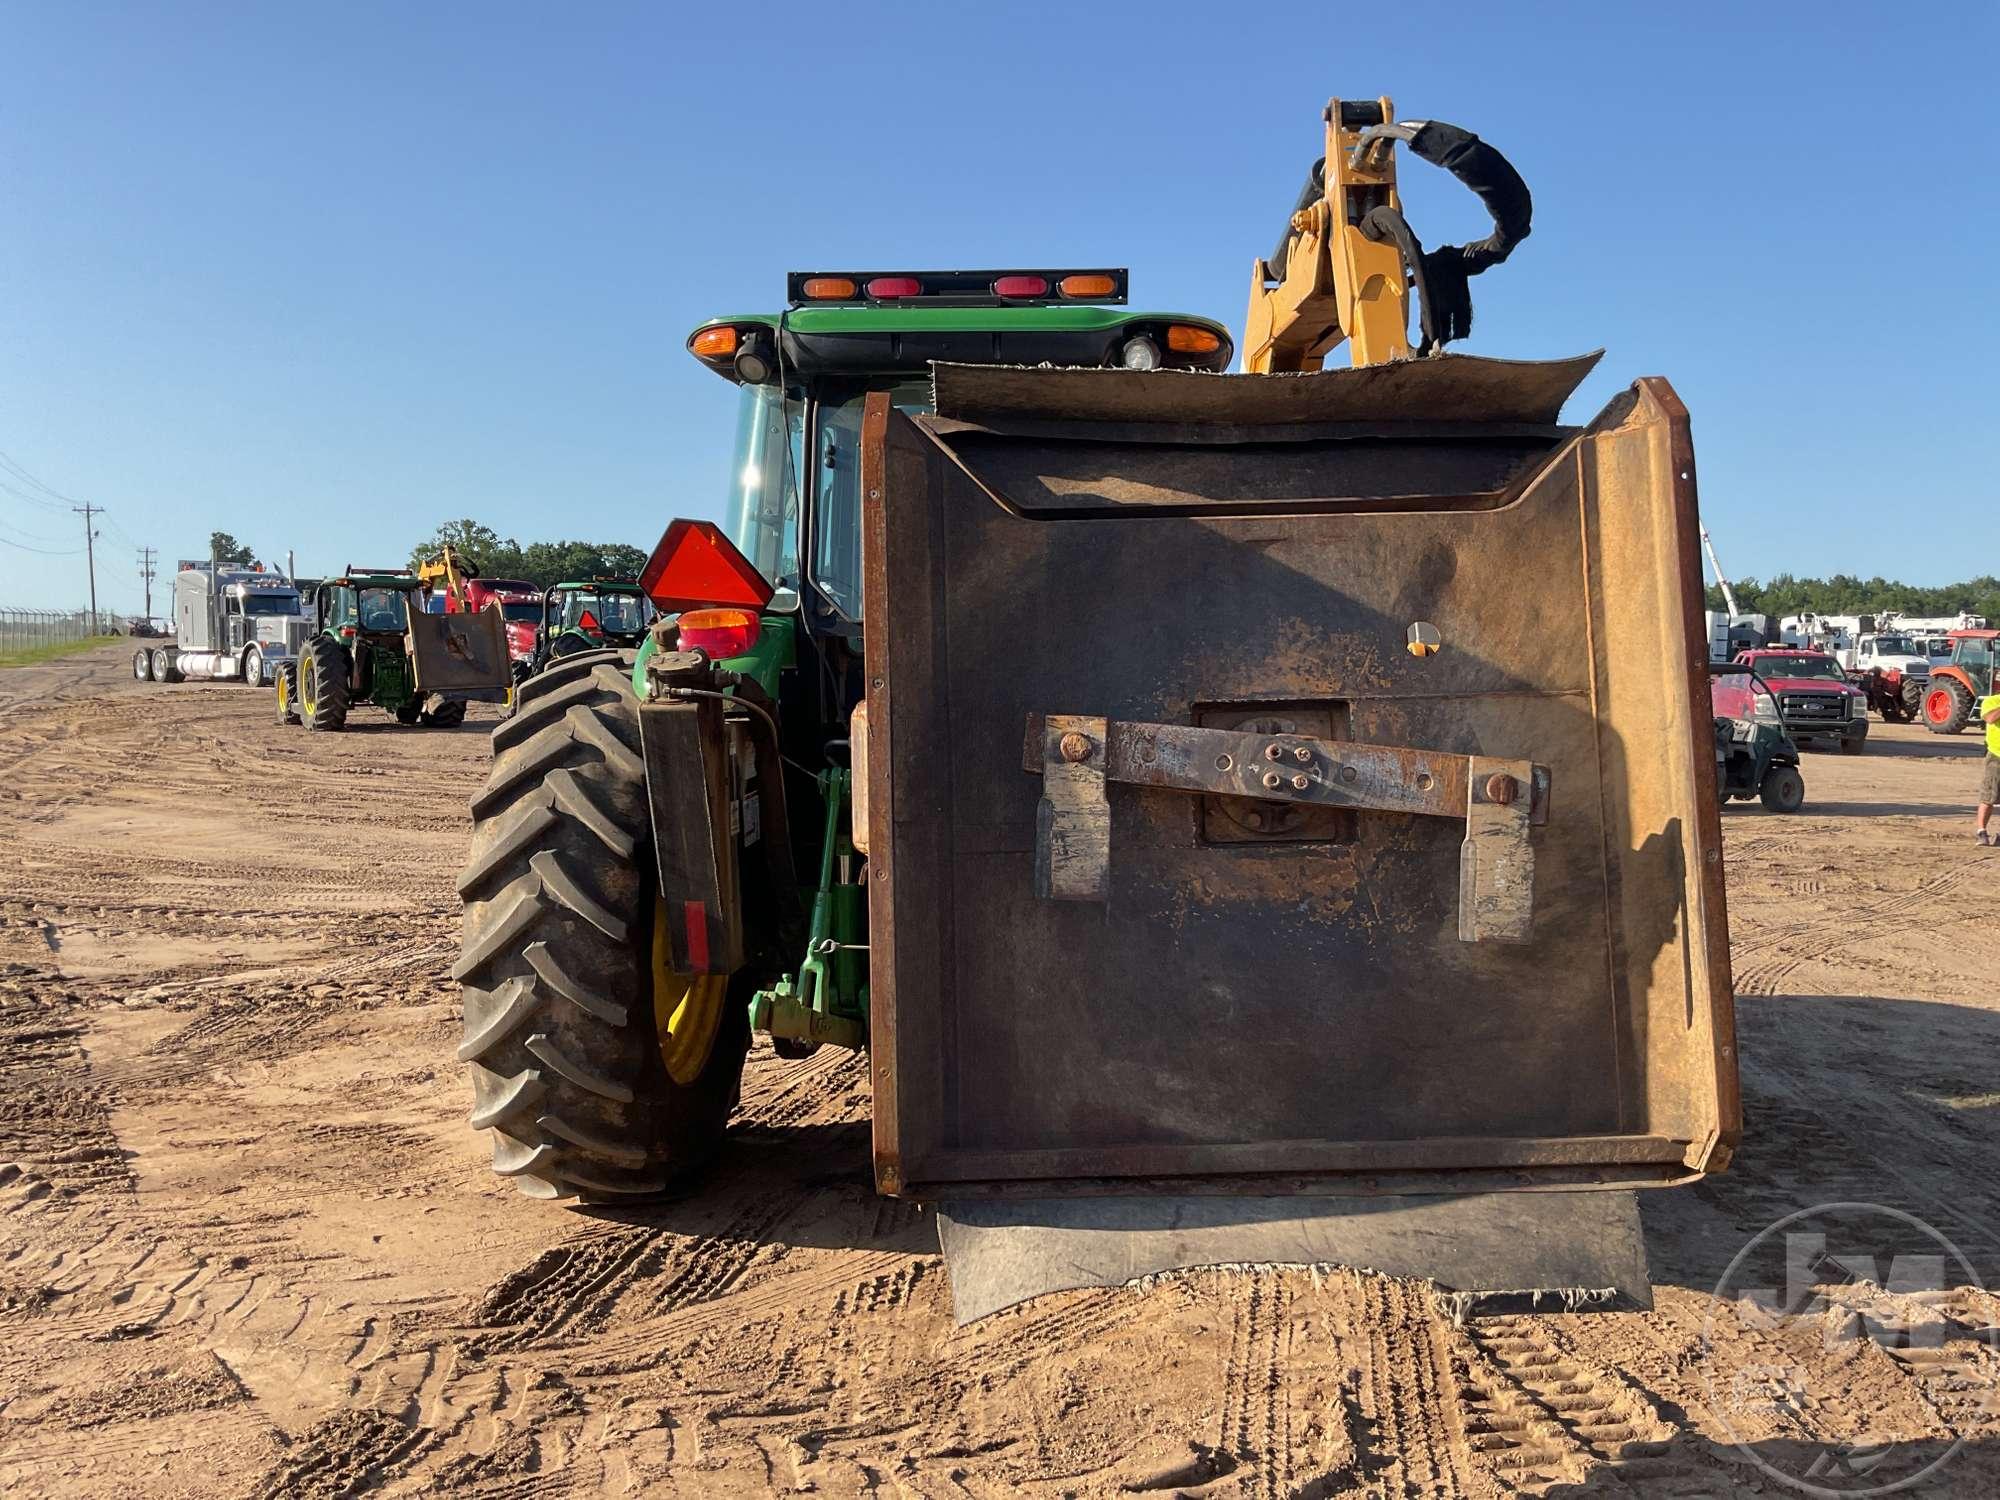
1294,784
461,655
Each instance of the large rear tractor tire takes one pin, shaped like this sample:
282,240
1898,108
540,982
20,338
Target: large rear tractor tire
323,685
571,1013
1783,789
1947,705
285,685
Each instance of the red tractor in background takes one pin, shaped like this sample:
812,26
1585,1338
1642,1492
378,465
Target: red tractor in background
1958,684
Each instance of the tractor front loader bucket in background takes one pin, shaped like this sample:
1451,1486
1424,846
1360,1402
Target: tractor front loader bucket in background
463,655
1295,784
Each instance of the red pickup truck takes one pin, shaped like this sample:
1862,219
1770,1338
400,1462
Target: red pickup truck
520,605
1815,699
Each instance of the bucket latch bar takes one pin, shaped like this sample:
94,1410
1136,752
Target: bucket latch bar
1499,800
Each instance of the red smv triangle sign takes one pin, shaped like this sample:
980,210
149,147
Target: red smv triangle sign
696,565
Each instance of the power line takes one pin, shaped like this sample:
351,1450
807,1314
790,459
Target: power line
8,463
27,499
44,551
33,536
146,573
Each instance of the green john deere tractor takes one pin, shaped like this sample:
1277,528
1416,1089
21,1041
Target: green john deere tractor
371,642
1163,773
663,858
590,615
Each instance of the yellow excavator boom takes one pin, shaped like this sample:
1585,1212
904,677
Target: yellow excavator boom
449,569
1348,261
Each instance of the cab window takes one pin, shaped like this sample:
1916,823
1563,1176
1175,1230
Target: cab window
836,509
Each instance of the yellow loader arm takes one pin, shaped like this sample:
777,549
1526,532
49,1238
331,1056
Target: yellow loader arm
1348,260
448,569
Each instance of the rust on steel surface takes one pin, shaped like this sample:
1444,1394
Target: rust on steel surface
1073,823
1298,1013
1496,863
1450,388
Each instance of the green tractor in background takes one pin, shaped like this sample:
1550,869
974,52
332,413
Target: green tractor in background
663,857
371,642
590,615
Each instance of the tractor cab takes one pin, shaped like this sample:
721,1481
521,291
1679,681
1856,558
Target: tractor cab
590,615
794,507
365,605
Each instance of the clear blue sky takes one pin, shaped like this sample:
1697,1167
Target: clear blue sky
323,275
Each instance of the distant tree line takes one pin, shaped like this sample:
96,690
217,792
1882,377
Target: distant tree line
1844,594
540,563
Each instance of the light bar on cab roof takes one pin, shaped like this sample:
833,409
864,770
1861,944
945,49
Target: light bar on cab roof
1003,288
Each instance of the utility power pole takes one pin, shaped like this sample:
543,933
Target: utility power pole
88,510
146,556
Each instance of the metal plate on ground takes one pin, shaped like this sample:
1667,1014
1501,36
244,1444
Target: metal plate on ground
1488,1254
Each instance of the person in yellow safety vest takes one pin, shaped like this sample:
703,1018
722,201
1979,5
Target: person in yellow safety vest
1989,786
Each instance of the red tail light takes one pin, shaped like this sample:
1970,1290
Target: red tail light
722,633
882,288
1021,286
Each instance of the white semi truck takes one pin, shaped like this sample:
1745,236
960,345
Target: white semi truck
229,624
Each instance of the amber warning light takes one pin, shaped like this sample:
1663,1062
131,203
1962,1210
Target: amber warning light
696,566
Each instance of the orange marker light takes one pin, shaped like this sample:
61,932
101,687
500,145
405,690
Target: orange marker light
1087,286
1185,340
829,288
714,343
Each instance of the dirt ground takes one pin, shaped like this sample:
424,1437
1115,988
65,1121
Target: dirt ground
248,1247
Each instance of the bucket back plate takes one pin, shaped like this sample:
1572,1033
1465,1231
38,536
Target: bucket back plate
1260,996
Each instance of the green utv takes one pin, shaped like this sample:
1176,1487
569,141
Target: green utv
370,641
664,858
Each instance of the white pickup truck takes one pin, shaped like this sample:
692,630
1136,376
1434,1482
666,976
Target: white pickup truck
1891,669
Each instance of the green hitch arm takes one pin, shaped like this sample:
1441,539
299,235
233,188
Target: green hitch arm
811,1008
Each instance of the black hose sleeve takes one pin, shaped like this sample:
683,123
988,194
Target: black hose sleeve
1311,193
1490,175
1385,223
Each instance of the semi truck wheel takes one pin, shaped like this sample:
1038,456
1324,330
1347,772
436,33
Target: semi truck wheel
166,665
600,1072
447,715
253,667
1947,705
323,685
142,665
287,690
1784,789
